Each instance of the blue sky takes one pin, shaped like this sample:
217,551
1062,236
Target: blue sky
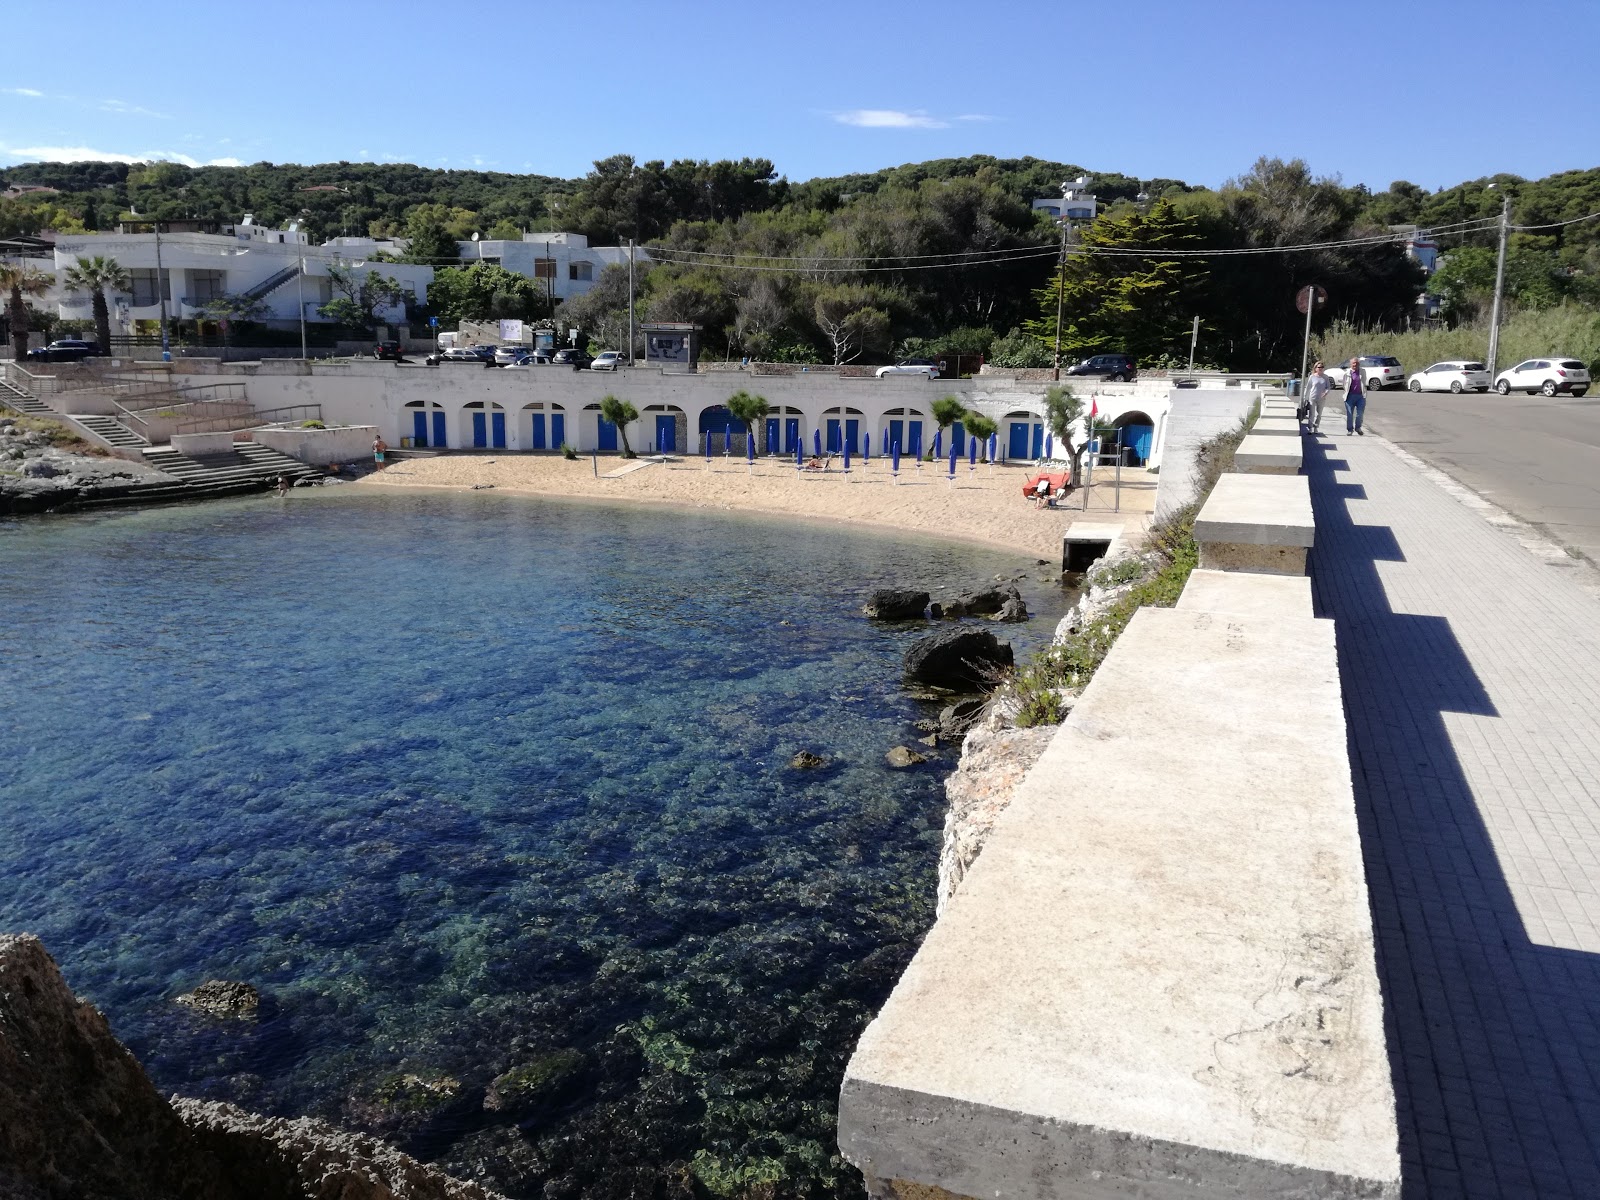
1430,92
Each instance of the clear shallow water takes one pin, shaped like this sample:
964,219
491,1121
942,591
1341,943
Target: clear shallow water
473,783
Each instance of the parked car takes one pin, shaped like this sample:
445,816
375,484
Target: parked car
1547,375
925,367
570,357
608,360
1113,368
1453,375
455,354
1378,371
389,349
64,350
509,356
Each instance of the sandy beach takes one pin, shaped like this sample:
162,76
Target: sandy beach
985,505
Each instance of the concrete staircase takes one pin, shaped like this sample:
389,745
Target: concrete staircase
248,467
25,402
113,431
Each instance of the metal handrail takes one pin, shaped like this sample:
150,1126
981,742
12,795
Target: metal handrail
253,420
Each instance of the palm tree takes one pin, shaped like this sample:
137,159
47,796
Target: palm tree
982,428
21,280
742,406
619,413
96,276
948,411
1062,410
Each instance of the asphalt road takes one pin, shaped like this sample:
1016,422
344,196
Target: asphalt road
1538,459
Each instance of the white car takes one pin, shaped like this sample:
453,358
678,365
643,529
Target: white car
1547,375
1378,371
1454,375
608,360
509,356
927,368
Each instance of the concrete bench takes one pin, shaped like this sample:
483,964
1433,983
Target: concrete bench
1263,454
1272,426
1157,979
1256,523
1247,594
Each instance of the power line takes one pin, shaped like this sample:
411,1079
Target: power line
1556,224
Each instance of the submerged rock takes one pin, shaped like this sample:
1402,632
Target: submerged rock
223,998
896,604
535,1085
1001,603
958,660
807,761
904,756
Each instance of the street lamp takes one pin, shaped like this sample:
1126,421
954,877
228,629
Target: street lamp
1499,282
300,283
1061,275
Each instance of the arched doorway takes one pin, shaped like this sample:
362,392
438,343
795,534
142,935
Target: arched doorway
1136,435
783,430
427,424
1024,435
546,430
903,427
488,422
667,426
842,427
724,429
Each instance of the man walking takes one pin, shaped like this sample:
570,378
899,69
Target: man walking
1316,392
1355,400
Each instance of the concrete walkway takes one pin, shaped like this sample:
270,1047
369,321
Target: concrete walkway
1471,672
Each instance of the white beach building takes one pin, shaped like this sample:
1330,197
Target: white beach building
187,267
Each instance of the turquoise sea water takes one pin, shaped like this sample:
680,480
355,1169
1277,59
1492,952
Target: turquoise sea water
470,784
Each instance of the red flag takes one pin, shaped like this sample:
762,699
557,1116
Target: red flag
1094,405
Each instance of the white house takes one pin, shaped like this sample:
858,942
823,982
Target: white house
1076,202
564,263
275,266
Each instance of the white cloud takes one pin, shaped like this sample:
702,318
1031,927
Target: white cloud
123,108
89,154
23,92
889,118
974,117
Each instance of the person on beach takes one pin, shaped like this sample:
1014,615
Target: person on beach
1316,392
283,485
379,446
1355,400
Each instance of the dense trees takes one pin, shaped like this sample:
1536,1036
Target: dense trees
939,257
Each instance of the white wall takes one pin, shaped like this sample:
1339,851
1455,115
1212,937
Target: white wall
1197,414
378,393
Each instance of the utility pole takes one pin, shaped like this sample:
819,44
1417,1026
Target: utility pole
1061,277
1305,347
1194,340
1499,285
630,303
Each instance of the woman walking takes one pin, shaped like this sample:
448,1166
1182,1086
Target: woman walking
1355,399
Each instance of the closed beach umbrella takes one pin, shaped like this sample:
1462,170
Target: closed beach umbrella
994,447
816,442
727,439
955,453
866,447
799,455
750,450
847,456
938,437
708,445
1049,440
894,459
972,454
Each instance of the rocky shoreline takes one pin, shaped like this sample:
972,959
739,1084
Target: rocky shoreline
80,1118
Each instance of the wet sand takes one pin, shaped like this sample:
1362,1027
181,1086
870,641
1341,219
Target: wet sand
985,505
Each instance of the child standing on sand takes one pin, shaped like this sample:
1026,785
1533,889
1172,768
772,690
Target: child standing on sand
378,448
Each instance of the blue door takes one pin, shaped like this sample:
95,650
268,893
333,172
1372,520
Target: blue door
480,431
852,435
439,439
833,435
419,428
497,426
897,435
1018,447
1038,442
558,430
608,435
915,434
958,437
772,435
1139,437
666,433
791,434
538,433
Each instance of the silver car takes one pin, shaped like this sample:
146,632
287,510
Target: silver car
1453,375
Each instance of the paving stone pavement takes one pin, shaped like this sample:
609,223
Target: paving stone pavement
1471,671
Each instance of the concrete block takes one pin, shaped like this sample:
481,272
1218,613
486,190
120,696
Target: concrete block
1262,454
1247,556
1086,541
1267,596
1157,979
1276,427
1268,510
